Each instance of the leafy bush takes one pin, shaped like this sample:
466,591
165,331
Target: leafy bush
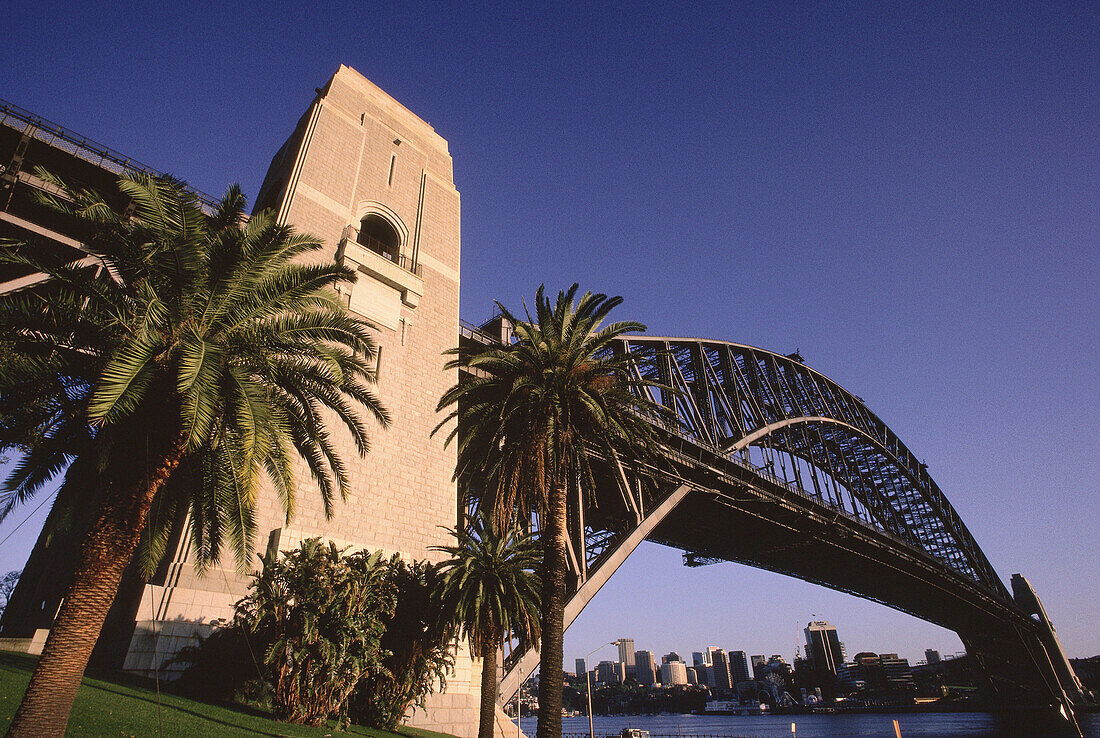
322,617
325,626
417,637
7,586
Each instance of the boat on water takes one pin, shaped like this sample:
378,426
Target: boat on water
732,707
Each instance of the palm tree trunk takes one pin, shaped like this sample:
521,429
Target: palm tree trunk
105,553
555,565
489,687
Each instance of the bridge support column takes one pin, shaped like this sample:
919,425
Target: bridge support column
1024,595
598,577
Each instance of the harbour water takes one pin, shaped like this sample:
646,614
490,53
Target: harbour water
912,725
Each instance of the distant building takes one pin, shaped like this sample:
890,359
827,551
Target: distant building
692,674
674,673
739,667
671,656
645,668
898,673
759,663
611,672
823,649
881,673
804,672
778,665
626,656
581,669
626,651
723,678
704,665
932,656
1088,671
849,678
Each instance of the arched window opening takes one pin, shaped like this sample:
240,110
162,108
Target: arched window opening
376,234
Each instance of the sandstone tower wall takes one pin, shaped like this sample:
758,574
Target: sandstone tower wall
358,154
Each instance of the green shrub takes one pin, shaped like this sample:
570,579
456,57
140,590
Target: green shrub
417,637
355,636
322,615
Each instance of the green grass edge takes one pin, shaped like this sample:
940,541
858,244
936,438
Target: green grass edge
116,704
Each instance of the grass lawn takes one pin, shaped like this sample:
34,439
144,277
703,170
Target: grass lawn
110,706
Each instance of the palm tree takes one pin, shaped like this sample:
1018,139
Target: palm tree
529,413
200,346
490,587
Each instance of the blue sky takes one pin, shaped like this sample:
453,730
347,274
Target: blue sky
906,193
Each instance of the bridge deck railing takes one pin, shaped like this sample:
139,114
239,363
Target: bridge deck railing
82,147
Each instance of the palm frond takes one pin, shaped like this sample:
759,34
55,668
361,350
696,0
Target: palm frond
210,325
121,386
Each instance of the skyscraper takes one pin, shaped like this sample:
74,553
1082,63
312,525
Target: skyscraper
703,670
626,651
671,656
610,672
673,673
580,667
823,649
739,666
645,668
758,664
720,668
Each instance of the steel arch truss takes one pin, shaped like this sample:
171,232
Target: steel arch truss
806,432
773,465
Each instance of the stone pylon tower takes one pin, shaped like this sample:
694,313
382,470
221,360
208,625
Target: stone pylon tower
374,182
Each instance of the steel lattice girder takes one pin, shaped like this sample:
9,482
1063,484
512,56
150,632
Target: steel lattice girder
726,393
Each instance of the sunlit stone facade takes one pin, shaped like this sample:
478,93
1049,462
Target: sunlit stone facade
359,162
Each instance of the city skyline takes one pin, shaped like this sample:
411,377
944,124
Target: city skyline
848,652
904,194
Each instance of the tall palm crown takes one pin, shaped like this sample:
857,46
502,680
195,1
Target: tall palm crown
198,344
489,583
490,588
530,415
526,411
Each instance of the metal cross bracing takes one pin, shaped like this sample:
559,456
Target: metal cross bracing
788,421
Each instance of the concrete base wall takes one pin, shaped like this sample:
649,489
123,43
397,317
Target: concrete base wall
32,645
155,644
458,715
